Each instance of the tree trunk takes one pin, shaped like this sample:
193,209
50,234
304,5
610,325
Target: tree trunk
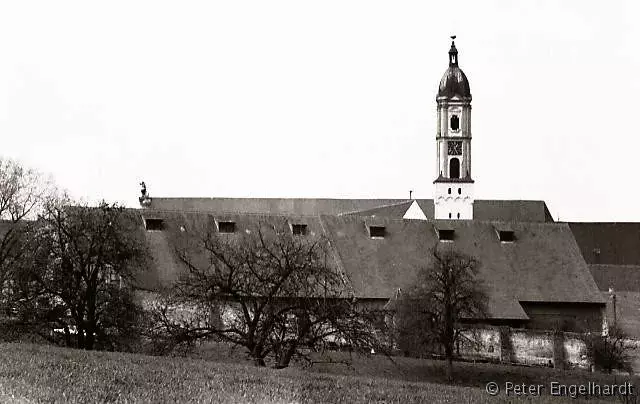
89,339
285,358
258,356
448,353
67,336
80,337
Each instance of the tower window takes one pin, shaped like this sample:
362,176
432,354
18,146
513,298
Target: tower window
449,191
227,227
449,215
376,231
458,215
299,229
455,123
454,168
459,191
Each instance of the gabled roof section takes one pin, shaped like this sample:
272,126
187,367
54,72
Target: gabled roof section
609,242
545,264
414,212
511,211
167,267
394,210
497,210
618,277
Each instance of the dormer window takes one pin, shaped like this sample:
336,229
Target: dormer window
299,229
446,234
506,236
377,231
226,227
153,224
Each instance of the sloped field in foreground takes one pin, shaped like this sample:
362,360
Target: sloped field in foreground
33,373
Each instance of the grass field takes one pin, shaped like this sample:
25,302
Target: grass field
34,373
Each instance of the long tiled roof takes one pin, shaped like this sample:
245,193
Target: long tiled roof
543,264
504,210
608,243
618,277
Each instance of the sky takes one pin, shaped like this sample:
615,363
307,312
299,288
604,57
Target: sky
332,99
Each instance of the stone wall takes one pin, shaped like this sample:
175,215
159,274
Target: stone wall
525,347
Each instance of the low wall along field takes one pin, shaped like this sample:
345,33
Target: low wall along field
526,347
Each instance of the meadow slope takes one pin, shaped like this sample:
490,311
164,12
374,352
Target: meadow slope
34,373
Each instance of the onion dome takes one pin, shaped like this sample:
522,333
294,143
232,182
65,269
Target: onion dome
454,83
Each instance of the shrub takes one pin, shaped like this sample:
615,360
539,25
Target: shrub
610,352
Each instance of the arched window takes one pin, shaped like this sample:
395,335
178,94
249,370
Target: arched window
459,191
449,191
455,122
454,168
458,215
449,215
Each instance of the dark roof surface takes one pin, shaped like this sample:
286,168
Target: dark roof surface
608,243
396,210
544,264
454,83
272,206
163,248
504,210
618,277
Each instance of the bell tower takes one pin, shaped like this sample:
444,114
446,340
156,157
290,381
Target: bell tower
453,197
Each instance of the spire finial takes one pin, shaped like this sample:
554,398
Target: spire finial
453,52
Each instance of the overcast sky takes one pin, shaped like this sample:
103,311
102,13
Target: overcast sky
328,99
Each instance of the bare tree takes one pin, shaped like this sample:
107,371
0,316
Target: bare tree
610,351
84,260
269,291
22,194
430,316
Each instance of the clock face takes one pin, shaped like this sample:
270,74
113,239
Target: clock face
455,147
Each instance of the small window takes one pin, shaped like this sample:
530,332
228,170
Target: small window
446,235
449,191
458,215
459,191
449,215
506,236
376,231
227,227
153,224
299,229
455,122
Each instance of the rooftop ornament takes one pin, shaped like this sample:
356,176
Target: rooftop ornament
144,199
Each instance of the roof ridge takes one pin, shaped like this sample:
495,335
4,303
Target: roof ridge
208,212
276,198
377,207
